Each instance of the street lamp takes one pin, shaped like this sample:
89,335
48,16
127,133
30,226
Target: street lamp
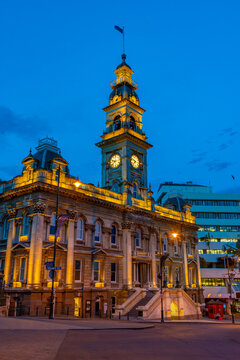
51,312
163,258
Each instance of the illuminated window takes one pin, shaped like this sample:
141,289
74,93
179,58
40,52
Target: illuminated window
78,270
97,235
200,251
96,271
138,239
114,235
80,229
213,282
113,272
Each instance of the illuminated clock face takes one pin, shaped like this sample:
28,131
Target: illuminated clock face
115,161
135,161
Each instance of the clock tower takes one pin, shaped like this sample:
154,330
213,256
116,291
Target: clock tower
124,146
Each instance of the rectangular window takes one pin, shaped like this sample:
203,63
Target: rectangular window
113,272
77,270
22,269
5,229
2,265
175,247
165,244
80,230
96,271
114,235
138,239
52,224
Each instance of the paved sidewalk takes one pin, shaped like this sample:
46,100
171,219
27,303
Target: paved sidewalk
19,323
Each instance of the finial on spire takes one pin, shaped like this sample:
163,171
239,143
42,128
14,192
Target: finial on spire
30,151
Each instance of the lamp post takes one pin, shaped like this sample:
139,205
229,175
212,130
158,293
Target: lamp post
163,258
51,313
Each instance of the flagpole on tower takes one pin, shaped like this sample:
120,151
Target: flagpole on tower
121,30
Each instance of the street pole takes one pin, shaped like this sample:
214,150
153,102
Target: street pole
163,258
51,313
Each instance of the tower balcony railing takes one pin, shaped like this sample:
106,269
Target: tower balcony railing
123,79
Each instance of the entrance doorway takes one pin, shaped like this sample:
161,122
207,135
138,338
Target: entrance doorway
77,306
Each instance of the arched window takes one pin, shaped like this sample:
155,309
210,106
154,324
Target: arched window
117,123
132,123
25,225
134,190
165,243
97,235
5,229
52,224
138,239
114,235
79,229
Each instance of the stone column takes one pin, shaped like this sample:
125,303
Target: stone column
11,236
153,256
35,253
70,254
127,255
185,264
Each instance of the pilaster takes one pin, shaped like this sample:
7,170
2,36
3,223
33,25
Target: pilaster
11,236
127,255
70,254
153,256
185,264
36,249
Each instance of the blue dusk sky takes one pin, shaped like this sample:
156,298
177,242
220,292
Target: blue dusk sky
57,61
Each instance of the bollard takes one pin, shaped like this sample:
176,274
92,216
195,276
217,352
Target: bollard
67,310
119,316
128,315
36,311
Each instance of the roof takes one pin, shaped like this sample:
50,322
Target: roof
123,63
125,90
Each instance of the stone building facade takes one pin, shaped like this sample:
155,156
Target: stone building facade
109,247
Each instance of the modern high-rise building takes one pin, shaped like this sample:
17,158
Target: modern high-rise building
218,217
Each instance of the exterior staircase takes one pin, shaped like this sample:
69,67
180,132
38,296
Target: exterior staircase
134,312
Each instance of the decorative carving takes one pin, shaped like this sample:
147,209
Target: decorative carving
12,213
126,225
39,207
72,214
